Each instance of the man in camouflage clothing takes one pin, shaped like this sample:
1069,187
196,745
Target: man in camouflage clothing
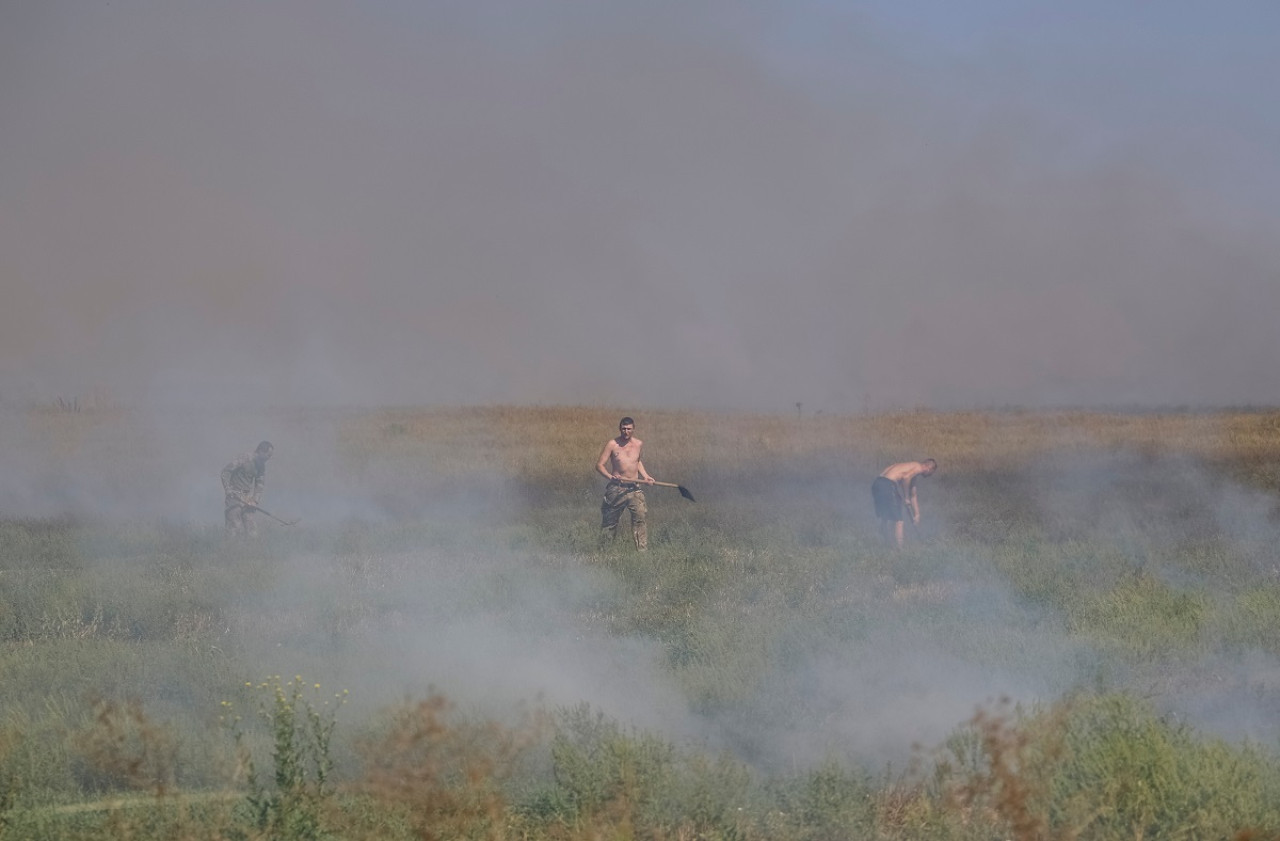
243,481
620,463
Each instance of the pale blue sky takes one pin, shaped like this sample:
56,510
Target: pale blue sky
1201,74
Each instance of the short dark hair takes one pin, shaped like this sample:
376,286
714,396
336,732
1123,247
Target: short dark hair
930,462
626,421
264,447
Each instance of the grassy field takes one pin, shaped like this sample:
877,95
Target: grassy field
1082,641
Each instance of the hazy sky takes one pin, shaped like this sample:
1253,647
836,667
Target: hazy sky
670,203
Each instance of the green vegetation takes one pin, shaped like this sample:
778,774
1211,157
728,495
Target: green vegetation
1078,647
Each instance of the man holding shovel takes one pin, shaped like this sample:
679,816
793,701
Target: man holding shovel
243,481
894,493
620,463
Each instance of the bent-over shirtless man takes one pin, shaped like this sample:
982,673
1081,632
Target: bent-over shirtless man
620,463
894,493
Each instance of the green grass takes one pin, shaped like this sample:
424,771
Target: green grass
1113,573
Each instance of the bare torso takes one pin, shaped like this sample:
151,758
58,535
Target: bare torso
903,471
620,459
904,475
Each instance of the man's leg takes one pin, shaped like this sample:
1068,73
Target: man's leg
888,509
639,517
610,512
234,521
898,532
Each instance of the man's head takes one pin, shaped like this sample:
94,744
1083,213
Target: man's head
626,426
263,452
930,466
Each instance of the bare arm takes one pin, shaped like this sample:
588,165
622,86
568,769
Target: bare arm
644,474
907,493
602,463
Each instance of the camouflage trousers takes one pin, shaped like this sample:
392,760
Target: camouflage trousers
239,519
619,497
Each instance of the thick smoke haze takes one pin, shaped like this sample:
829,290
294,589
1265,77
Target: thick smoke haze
664,204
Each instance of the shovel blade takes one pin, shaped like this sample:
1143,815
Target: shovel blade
684,492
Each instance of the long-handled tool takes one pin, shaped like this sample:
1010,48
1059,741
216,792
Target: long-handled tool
272,516
684,492
911,518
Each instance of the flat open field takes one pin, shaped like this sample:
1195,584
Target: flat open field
1082,640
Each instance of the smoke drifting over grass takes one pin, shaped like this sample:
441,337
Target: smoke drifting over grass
669,204
456,550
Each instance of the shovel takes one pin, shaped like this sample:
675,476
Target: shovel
915,527
267,513
684,492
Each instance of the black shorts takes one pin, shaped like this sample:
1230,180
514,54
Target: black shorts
888,499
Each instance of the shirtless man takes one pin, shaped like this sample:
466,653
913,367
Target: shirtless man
894,492
620,463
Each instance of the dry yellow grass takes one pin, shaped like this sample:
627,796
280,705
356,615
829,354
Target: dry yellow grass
544,443
533,441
